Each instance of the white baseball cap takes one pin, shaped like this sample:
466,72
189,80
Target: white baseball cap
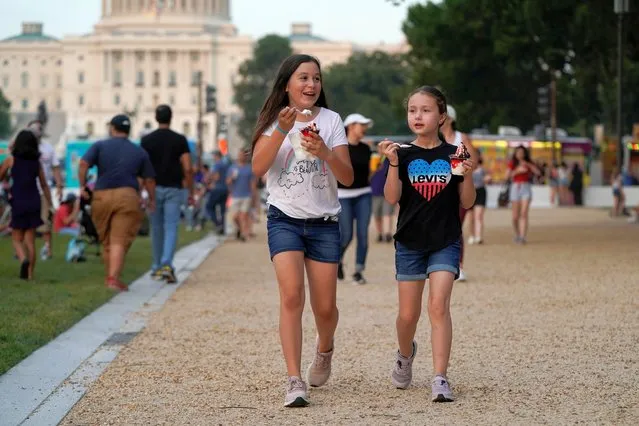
450,111
359,119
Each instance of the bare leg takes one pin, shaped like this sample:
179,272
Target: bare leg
440,290
116,259
289,268
29,241
523,218
471,223
245,224
478,212
322,279
410,309
615,208
388,224
378,225
516,209
48,241
17,238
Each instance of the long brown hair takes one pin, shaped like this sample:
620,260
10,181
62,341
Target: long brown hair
278,98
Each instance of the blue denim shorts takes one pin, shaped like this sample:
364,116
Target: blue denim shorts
520,191
416,265
319,239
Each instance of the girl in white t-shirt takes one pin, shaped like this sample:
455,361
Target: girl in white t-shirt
302,169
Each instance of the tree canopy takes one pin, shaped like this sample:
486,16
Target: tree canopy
256,79
490,56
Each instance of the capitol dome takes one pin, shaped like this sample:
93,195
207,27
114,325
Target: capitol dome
164,16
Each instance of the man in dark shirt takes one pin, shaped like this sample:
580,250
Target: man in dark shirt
171,159
116,206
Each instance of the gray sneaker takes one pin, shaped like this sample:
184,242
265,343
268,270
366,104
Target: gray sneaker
296,395
441,390
402,373
320,369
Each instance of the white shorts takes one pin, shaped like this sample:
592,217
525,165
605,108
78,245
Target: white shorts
242,205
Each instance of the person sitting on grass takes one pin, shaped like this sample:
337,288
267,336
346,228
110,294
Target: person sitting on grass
66,218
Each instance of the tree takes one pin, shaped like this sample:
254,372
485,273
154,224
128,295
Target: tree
256,79
490,56
373,85
5,116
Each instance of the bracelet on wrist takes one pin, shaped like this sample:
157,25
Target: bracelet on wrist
393,165
282,131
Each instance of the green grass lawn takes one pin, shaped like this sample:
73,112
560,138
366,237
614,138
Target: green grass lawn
34,312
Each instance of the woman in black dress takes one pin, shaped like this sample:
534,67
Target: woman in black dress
24,163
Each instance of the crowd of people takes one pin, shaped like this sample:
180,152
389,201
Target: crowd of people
320,184
155,181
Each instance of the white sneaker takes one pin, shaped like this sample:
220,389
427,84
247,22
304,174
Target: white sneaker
462,275
296,395
471,240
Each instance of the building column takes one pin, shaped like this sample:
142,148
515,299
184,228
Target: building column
224,8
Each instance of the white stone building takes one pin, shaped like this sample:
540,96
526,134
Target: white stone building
140,54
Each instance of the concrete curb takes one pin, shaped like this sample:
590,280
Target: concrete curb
44,387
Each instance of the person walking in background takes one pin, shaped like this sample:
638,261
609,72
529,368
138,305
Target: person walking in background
243,186
577,185
520,171
562,184
456,138
304,156
383,211
553,179
428,238
195,214
170,157
616,182
218,192
116,205
476,214
356,199
51,168
26,170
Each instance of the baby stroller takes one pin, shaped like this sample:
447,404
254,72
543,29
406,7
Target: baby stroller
88,231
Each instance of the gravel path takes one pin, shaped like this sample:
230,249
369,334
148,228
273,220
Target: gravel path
544,334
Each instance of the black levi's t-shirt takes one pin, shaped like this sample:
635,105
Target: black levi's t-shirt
429,204
360,160
165,147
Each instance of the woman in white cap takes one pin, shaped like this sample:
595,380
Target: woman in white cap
357,199
455,137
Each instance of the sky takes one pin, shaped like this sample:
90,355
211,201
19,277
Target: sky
359,21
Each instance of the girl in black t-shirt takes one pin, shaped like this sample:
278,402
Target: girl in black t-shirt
427,242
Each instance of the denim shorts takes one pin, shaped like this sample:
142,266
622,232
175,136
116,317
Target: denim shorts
520,191
416,265
319,239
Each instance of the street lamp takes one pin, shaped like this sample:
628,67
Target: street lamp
621,7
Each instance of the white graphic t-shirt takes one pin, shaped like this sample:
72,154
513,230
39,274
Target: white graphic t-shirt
306,189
